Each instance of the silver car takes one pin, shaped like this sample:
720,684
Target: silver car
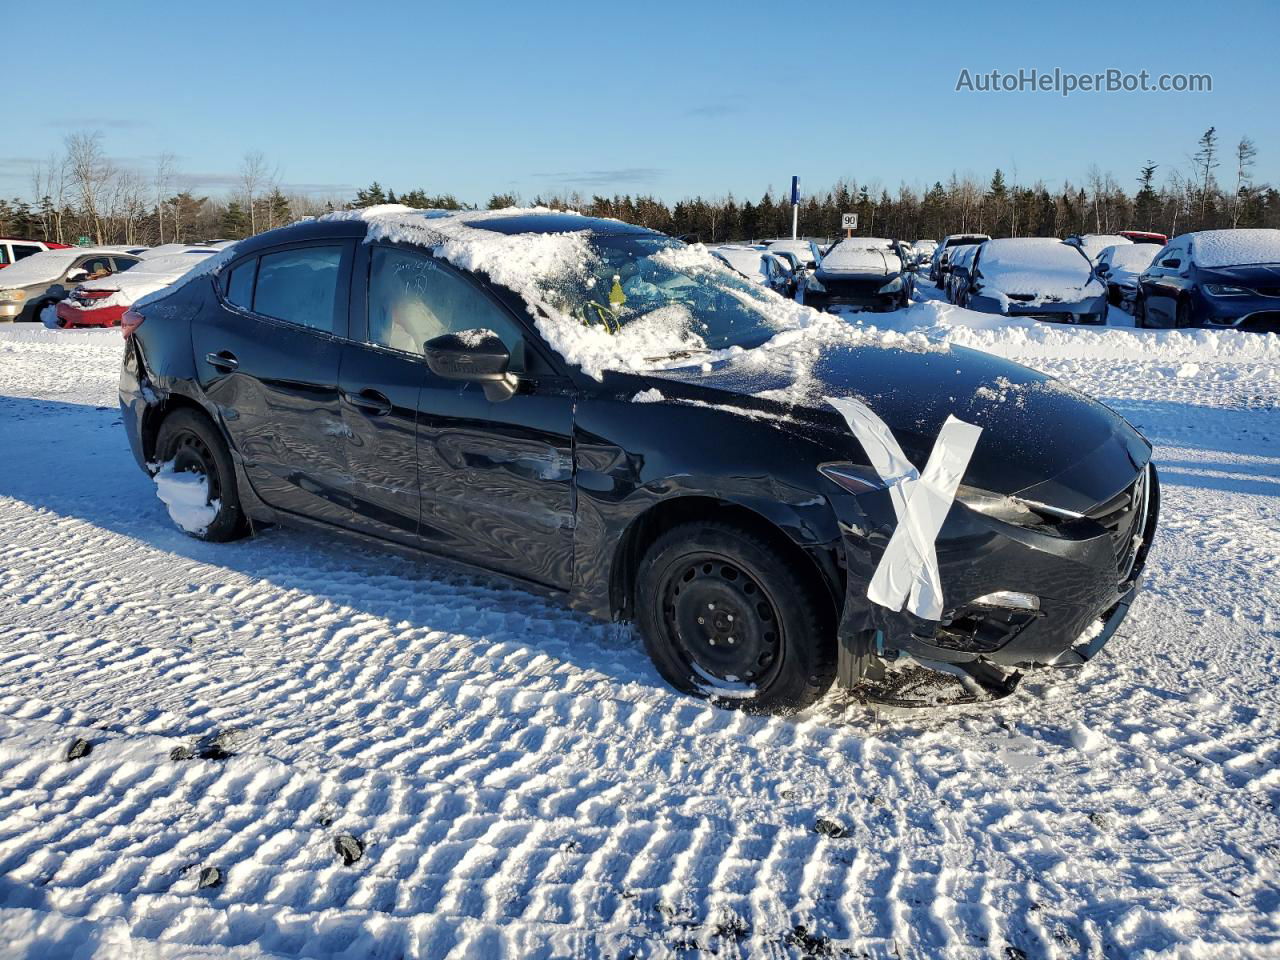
43,279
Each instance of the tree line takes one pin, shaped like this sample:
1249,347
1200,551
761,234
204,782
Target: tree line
84,194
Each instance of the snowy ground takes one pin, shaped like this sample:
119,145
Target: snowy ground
525,785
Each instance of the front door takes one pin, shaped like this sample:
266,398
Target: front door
495,480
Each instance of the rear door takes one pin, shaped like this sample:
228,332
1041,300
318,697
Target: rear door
269,358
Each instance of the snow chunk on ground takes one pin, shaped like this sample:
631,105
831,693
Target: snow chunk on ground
186,495
652,395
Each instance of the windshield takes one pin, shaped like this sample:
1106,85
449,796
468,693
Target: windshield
691,302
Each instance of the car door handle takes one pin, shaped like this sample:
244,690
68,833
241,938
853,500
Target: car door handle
226,360
369,401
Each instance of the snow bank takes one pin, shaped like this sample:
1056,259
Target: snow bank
1233,248
1025,338
186,495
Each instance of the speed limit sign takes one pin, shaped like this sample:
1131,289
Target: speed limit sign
848,221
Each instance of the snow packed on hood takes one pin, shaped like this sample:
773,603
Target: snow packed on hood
146,278
186,496
1236,248
666,339
1045,269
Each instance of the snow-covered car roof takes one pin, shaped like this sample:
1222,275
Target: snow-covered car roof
169,249
1129,256
1094,243
746,260
1220,248
1042,266
861,255
804,249
46,266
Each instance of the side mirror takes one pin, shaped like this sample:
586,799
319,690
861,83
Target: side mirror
476,356
76,275
1172,263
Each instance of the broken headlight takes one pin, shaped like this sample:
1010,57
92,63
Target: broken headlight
998,506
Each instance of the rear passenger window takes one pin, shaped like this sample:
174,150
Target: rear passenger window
240,284
300,286
23,250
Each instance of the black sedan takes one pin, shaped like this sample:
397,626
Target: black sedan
1214,278
609,416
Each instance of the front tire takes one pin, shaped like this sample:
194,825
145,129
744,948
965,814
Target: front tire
193,443
1139,312
725,617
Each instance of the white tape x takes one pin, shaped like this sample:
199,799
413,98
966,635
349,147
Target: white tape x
908,572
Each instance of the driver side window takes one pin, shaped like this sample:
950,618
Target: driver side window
414,298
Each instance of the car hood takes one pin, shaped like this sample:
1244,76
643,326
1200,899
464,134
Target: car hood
1249,275
1040,438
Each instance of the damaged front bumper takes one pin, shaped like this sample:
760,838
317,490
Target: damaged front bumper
1018,598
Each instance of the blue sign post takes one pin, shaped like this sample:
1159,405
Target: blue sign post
795,205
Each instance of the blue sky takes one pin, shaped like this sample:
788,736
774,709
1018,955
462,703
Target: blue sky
669,98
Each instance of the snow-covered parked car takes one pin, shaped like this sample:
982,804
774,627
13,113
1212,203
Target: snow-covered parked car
806,251
960,276
941,261
760,266
1120,266
43,279
1036,277
1092,244
1213,278
102,302
922,252
615,418
863,272
13,249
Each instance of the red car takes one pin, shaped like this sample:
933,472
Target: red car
13,249
1143,236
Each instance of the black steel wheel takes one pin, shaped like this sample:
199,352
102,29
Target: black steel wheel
725,617
190,440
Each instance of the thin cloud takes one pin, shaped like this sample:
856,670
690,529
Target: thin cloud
604,178
95,123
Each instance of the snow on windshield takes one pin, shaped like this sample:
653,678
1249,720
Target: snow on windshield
861,255
1046,269
1228,248
625,302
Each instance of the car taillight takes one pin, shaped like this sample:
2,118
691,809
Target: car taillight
130,322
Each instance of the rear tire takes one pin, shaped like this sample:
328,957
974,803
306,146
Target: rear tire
194,444
1139,312
725,617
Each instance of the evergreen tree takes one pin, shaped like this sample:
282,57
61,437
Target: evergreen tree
500,201
370,196
1146,202
235,223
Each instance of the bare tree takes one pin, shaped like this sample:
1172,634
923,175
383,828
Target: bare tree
254,178
1205,160
162,180
91,174
1246,153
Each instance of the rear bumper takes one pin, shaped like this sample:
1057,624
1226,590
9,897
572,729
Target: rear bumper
72,316
133,404
1074,571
